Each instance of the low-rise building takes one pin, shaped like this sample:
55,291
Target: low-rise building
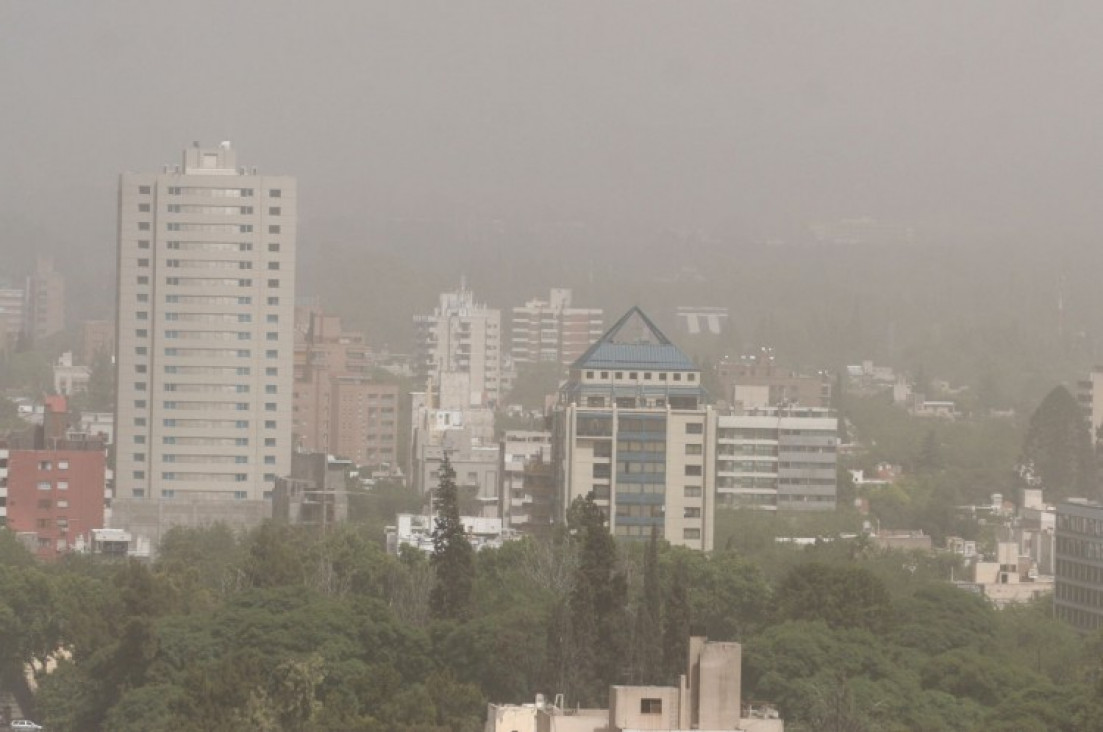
707,697
416,530
315,492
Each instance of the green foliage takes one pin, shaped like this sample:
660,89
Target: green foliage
328,632
1057,450
842,597
647,655
453,558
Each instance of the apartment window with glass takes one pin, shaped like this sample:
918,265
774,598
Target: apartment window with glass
275,193
273,210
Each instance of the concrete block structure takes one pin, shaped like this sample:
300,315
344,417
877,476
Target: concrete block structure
707,697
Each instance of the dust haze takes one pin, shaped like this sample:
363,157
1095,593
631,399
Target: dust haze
897,180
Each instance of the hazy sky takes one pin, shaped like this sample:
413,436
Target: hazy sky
742,118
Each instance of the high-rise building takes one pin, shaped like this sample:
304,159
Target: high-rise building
1078,590
632,430
552,331
777,458
459,349
206,289
45,310
12,302
339,408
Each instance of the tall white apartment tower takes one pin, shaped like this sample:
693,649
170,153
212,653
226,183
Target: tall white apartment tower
459,347
205,311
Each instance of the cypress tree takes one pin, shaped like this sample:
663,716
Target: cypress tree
453,559
676,623
1058,449
647,652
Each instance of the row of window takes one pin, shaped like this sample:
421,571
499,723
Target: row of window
51,465
209,282
210,192
635,375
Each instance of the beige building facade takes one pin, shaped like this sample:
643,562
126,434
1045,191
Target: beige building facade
206,288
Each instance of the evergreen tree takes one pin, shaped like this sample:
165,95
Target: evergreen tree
676,623
598,636
1057,450
453,559
647,654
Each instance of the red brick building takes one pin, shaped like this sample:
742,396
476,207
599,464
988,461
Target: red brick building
55,485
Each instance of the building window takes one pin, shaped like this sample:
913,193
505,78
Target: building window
272,336
693,449
140,474
692,513
694,428
45,503
275,193
143,243
144,190
693,491
273,210
45,465
273,246
693,470
143,226
269,441
651,706
44,485
273,265
62,464
270,389
269,459
272,318
143,279
273,228
273,283
269,424
271,371
271,354
143,207
677,377
691,533
273,301
138,492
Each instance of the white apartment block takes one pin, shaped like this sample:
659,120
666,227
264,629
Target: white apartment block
777,458
552,331
459,349
205,311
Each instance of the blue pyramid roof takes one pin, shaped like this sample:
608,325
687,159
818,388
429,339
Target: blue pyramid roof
635,342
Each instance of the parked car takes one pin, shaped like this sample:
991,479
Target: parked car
24,725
